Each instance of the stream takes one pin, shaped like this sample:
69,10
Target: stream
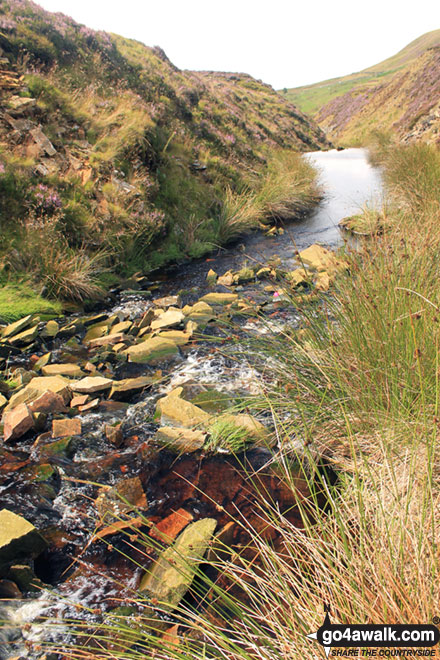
82,571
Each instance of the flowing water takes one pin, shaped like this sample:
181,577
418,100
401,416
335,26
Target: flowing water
64,507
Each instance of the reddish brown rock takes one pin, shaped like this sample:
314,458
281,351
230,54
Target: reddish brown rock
48,402
167,529
17,422
66,427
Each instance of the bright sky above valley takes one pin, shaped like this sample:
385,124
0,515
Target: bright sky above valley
286,43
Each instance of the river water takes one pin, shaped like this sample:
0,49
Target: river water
348,182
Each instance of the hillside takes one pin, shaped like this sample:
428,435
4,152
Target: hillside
398,94
119,154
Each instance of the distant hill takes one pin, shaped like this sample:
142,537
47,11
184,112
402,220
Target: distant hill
399,94
128,153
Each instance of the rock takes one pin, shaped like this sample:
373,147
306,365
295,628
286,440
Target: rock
10,591
173,572
298,277
151,350
220,548
168,301
47,402
21,104
91,405
19,539
25,337
122,327
226,280
122,389
177,412
69,370
62,428
61,447
3,401
95,332
39,385
322,281
51,329
124,497
180,440
79,400
211,277
244,275
201,312
219,298
17,422
265,272
319,258
169,318
25,578
167,529
16,327
213,401
91,384
106,340
42,361
114,434
43,141
178,337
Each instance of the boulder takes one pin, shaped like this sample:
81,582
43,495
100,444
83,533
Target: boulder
91,384
172,574
19,539
17,422
176,411
152,350
168,319
122,389
39,385
180,440
69,370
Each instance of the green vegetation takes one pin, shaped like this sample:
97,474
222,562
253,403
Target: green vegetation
356,391
311,98
19,299
115,162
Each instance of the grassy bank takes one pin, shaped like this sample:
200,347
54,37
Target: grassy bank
357,384
39,256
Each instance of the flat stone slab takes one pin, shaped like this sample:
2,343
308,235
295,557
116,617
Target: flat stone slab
176,411
70,370
151,350
91,384
219,298
172,574
19,539
17,422
180,440
125,388
16,327
62,428
168,319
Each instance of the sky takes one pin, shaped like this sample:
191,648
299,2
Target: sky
286,43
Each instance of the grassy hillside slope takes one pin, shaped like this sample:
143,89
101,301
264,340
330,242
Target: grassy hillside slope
334,102
110,154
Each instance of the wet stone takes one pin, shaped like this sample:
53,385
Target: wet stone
173,572
122,389
152,350
16,327
69,370
17,422
180,440
92,384
19,539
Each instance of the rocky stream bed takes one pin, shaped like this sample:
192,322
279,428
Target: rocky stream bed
134,419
